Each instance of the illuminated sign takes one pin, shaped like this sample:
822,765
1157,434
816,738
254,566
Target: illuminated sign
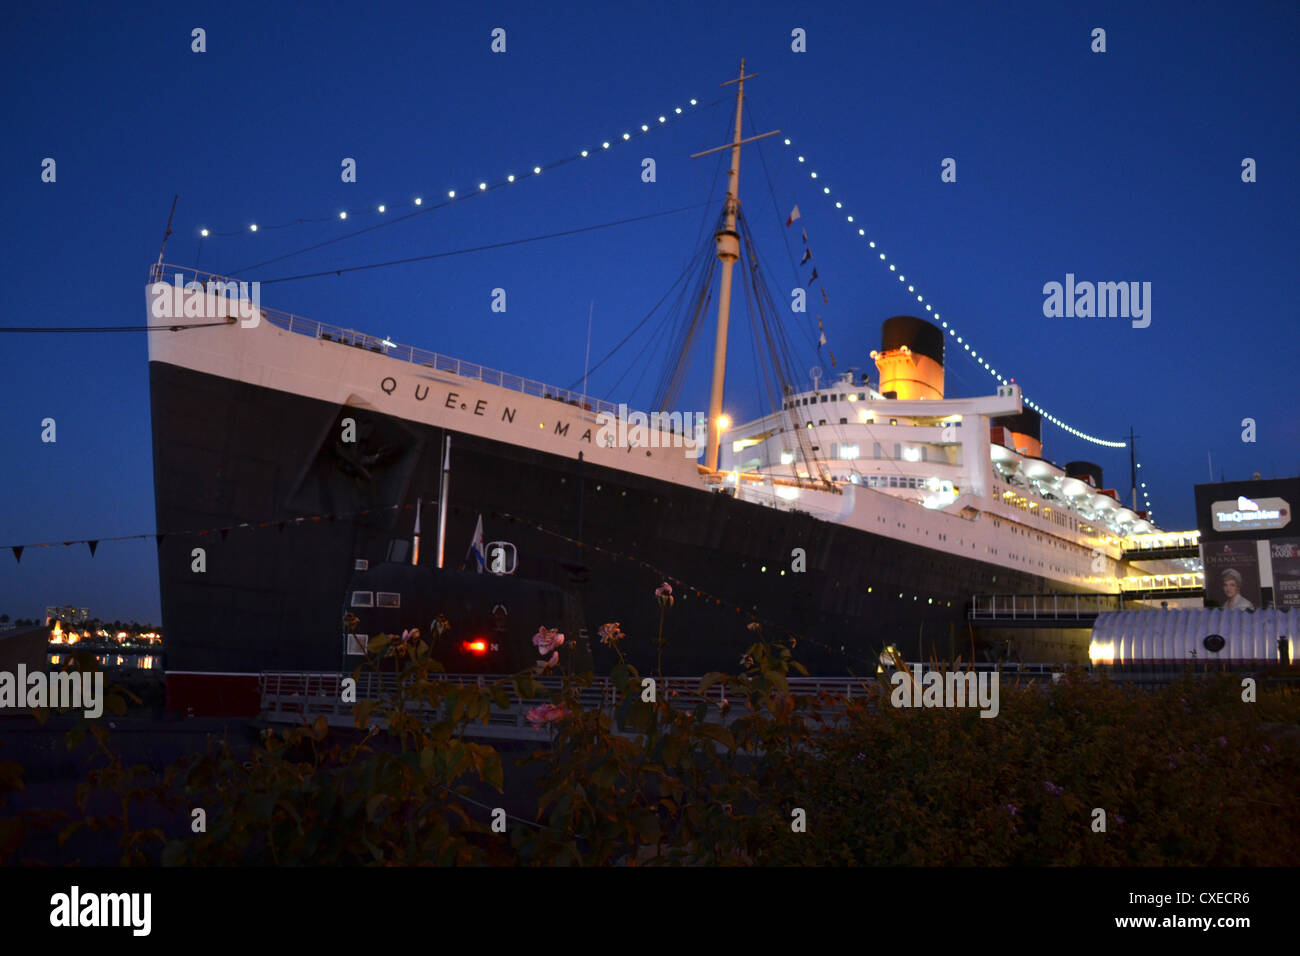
1247,514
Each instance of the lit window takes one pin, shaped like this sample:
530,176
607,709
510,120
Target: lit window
848,452
363,599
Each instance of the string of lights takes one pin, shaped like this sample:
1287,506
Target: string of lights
867,665
454,195
952,332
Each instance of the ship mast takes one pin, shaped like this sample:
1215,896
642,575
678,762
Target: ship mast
728,244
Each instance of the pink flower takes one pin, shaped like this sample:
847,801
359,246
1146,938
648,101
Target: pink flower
611,633
754,626
546,640
545,714
664,593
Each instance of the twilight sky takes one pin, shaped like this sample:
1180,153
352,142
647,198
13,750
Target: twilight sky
1116,166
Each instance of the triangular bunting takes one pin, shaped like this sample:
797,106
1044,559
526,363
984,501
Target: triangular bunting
158,538
807,254
812,278
824,299
794,214
18,553
93,546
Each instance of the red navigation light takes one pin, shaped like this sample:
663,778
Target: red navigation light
474,647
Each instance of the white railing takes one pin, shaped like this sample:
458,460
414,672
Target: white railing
161,272
1041,606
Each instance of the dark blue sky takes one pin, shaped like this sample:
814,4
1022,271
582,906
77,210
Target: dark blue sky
1123,166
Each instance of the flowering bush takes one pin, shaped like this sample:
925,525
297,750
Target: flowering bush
719,775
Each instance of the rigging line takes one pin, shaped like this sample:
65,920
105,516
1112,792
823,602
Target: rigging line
794,270
494,245
785,237
392,222
637,327
111,328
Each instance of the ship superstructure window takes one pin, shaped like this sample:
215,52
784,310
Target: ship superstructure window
388,599
876,450
363,599
848,452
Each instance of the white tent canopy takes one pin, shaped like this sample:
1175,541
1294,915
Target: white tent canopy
1179,636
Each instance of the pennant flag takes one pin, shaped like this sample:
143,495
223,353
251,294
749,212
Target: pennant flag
805,237
824,299
18,553
812,278
93,546
794,214
832,358
822,341
807,254
476,546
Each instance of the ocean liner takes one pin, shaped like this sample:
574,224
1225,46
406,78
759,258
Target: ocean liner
863,511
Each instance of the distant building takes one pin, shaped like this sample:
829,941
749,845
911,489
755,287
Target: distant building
68,615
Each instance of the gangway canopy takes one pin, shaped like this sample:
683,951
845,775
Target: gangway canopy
1183,636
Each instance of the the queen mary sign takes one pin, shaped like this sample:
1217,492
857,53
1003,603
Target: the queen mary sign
1250,514
1255,510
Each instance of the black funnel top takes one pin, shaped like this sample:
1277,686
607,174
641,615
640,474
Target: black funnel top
920,336
1084,470
1028,422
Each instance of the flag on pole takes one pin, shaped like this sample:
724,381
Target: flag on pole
807,254
794,214
476,546
415,542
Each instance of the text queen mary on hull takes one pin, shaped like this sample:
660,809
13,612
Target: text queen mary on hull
363,477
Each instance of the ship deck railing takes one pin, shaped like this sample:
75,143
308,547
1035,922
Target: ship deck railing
1039,607
406,353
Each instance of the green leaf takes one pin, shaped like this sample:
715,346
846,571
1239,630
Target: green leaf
361,713
709,679
605,775
619,676
717,732
378,643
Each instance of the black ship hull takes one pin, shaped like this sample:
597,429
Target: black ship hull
302,506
